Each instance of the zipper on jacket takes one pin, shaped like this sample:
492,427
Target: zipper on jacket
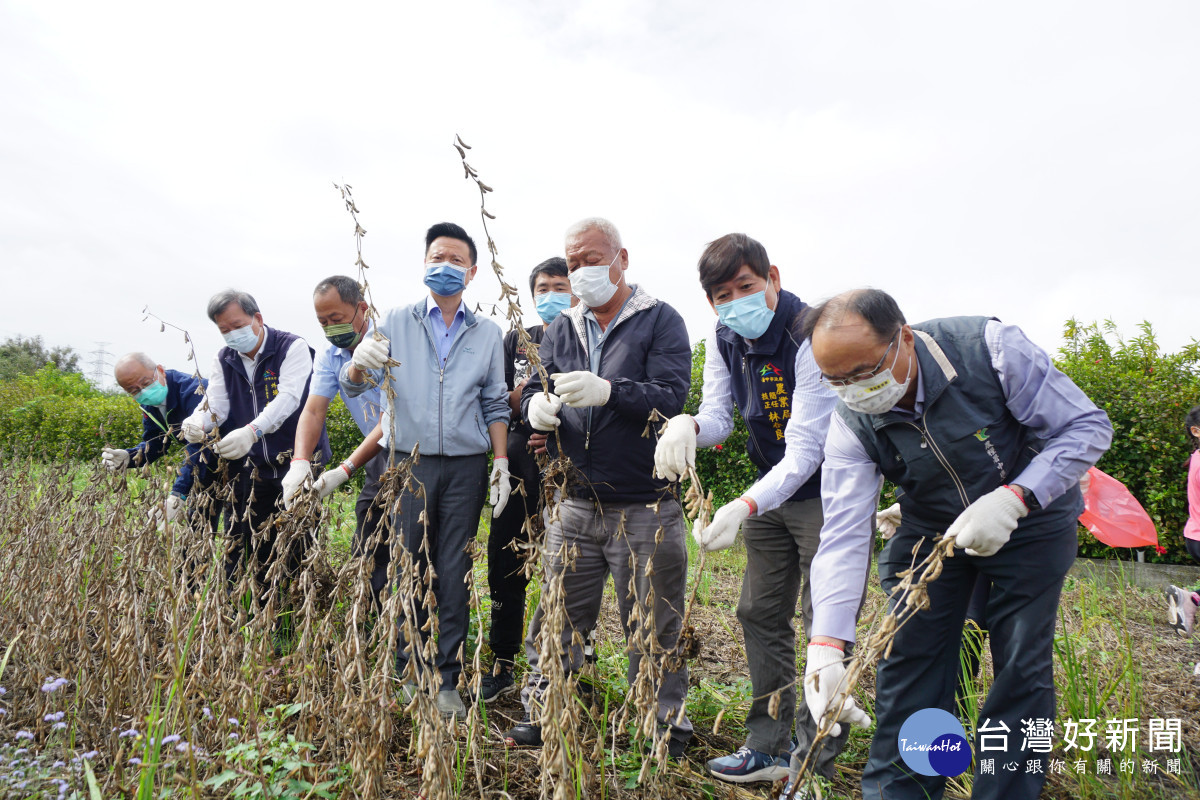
442,374
749,427
927,438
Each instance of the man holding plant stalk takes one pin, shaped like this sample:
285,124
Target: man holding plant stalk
758,362
257,385
166,398
447,368
987,441
342,313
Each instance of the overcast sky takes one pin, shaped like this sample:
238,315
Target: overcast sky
1032,161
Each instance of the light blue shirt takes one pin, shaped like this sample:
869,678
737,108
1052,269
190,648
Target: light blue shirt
443,337
364,408
1037,394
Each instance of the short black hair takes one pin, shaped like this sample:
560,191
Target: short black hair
222,300
723,258
451,231
551,266
877,308
347,288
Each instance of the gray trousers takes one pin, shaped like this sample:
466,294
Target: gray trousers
780,546
454,488
590,529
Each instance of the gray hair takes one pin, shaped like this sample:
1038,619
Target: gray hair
222,300
597,224
347,288
139,358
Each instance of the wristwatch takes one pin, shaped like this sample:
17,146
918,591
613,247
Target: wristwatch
1031,501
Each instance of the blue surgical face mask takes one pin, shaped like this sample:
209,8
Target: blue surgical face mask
152,395
445,279
551,304
747,316
243,339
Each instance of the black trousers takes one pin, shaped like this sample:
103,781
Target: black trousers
1026,578
248,537
506,566
367,516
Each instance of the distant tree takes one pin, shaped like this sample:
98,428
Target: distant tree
21,356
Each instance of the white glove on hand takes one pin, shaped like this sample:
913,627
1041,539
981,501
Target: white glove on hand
987,523
236,444
501,486
330,480
824,689
192,431
114,460
370,354
581,389
888,520
676,450
543,411
722,531
173,507
1085,482
297,474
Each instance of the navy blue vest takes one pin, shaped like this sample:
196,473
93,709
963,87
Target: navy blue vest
247,401
966,443
762,382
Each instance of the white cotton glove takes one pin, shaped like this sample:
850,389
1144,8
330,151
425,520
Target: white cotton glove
237,444
888,520
330,479
370,354
825,689
722,531
192,431
299,472
114,460
581,389
173,507
501,486
676,450
988,522
543,411
1085,482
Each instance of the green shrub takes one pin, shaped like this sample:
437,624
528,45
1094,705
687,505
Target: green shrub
344,434
59,414
1146,394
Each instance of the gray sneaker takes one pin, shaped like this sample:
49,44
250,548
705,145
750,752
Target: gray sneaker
450,704
1182,610
406,693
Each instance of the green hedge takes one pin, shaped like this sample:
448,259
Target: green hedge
60,414
725,470
1146,394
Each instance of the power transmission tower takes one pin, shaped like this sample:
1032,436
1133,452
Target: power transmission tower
101,364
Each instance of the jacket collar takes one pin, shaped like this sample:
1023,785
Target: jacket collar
420,311
640,300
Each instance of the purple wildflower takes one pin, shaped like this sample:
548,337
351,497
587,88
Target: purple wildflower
174,737
233,736
55,717
207,712
58,726
181,747
128,733
58,764
234,722
24,735
90,754
135,761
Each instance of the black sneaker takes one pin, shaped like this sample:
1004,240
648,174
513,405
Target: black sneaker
496,683
525,734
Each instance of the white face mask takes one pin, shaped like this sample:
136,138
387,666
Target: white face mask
877,394
591,284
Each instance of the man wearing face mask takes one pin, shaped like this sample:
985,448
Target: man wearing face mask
987,441
257,386
758,362
451,402
342,314
613,359
551,291
166,398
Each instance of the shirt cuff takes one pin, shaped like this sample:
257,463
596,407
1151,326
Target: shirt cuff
835,620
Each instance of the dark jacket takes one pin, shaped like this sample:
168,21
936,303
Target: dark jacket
157,431
517,369
247,401
763,381
647,360
966,443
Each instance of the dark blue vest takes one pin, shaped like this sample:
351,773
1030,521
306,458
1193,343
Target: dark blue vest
247,401
966,443
762,382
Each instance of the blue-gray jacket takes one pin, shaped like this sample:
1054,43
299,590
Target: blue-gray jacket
446,411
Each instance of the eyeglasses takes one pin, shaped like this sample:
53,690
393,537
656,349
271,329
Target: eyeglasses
862,376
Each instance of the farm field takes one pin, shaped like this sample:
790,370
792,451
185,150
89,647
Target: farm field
127,674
